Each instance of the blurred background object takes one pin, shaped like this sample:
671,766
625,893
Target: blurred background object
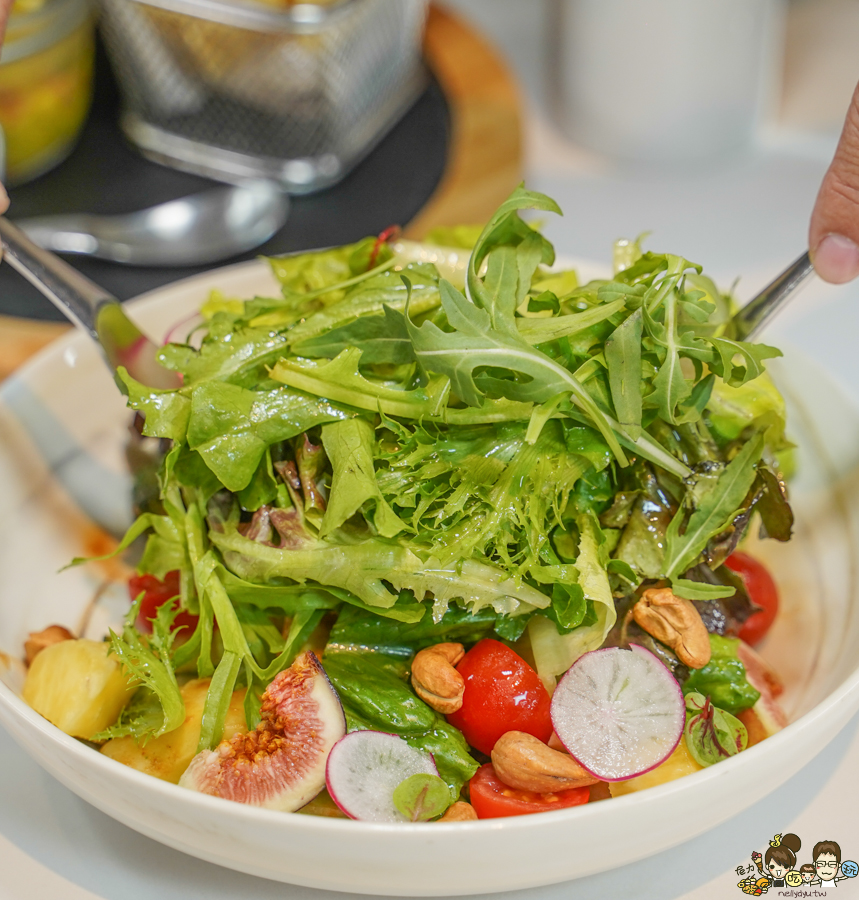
45,83
453,156
821,65
664,81
294,92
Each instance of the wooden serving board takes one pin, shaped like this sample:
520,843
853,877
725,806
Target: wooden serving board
484,162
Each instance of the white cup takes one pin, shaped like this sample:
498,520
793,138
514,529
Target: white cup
665,80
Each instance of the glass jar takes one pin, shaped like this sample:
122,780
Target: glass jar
46,70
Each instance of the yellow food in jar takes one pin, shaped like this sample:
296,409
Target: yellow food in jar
44,99
23,7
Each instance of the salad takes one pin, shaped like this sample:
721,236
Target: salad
441,532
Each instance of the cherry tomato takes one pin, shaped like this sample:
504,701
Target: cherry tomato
761,588
491,798
502,693
155,594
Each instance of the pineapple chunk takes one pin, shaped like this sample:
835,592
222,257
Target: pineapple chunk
322,805
78,687
677,765
168,756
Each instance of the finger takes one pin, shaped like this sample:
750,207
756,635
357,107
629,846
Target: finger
4,200
834,233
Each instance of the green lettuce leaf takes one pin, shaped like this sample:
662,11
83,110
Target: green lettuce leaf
723,679
376,696
349,446
231,427
149,664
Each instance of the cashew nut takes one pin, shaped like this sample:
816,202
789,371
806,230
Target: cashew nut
459,812
39,640
435,679
525,762
675,622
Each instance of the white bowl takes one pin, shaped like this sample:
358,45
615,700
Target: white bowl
62,431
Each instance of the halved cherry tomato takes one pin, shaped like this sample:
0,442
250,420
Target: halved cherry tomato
761,588
502,693
155,594
491,798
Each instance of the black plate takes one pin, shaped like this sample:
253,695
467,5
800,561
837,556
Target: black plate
105,175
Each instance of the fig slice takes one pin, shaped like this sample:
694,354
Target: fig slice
618,712
280,765
365,767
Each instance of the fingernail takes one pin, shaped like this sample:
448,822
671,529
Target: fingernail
836,259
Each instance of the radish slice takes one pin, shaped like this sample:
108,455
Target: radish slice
365,767
618,712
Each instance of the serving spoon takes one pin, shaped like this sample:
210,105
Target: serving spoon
88,306
754,316
201,228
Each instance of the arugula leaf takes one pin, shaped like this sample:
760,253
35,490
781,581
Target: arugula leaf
623,358
383,340
716,508
752,356
372,297
505,227
475,343
670,387
541,331
340,381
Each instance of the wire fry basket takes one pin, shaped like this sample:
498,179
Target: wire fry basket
230,89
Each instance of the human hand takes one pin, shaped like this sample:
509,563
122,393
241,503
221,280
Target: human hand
833,237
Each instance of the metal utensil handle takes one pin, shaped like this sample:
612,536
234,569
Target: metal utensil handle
72,293
752,317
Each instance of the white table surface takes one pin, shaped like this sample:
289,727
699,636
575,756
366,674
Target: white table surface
745,216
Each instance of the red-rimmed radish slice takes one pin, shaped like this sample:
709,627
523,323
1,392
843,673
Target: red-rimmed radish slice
280,765
364,769
618,712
